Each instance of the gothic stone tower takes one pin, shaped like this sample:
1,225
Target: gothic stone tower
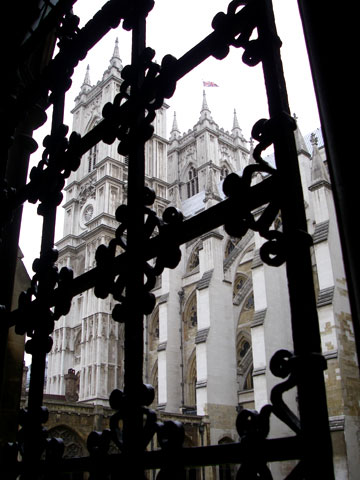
222,313
87,340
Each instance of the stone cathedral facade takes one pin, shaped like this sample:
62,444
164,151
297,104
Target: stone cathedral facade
221,314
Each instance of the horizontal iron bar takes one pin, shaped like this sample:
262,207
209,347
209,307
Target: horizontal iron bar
271,450
183,232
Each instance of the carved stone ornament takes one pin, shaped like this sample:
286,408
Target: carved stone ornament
87,191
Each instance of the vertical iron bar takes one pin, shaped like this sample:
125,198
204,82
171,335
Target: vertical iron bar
135,281
304,319
33,433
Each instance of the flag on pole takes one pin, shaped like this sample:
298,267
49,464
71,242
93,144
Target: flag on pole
209,84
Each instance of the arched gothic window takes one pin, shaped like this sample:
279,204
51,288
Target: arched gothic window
244,362
190,382
193,183
154,332
190,316
92,158
72,442
193,260
238,284
229,248
154,382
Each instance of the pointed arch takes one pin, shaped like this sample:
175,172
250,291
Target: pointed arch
244,360
74,445
190,316
225,169
229,246
92,154
192,182
190,381
93,121
194,259
239,284
153,330
155,383
77,347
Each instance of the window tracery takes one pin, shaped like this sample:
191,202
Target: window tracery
238,284
92,156
244,361
190,383
194,259
193,183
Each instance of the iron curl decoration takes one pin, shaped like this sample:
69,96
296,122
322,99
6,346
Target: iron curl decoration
135,10
37,312
171,436
266,131
35,316
272,252
98,444
60,157
253,428
119,116
121,403
282,365
109,282
285,364
235,28
44,448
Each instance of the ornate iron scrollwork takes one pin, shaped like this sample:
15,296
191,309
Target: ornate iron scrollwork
169,256
128,119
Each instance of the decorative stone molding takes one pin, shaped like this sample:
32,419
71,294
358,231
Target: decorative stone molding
162,346
204,282
243,292
201,384
321,232
325,297
259,371
259,318
212,234
237,249
87,191
330,354
257,262
202,335
163,299
337,423
318,184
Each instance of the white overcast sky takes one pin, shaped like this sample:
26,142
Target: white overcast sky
173,28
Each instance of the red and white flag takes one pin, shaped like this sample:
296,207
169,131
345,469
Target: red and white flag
209,84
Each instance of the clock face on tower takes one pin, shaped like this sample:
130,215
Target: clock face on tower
88,213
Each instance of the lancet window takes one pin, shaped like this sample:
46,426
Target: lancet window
92,158
193,183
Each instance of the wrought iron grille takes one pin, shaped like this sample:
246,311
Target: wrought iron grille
129,277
